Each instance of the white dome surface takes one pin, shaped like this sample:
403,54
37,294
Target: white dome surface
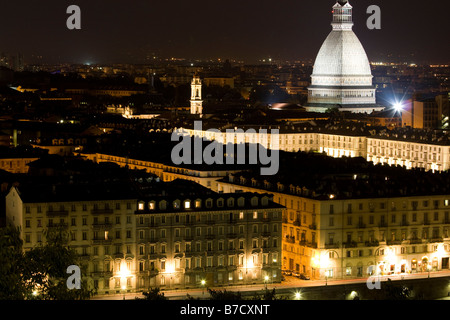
342,54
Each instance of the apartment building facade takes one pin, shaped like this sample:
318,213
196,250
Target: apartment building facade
348,238
433,156
129,244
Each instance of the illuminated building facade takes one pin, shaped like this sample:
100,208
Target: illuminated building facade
100,230
342,76
196,96
417,153
349,238
227,239
129,244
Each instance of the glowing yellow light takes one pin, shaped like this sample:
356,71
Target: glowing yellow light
297,295
124,272
203,282
266,278
250,264
170,268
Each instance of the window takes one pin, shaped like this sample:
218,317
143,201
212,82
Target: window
255,215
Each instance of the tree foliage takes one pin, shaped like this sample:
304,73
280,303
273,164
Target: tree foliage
154,294
40,273
224,295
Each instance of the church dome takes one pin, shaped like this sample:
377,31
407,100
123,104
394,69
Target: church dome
342,54
342,76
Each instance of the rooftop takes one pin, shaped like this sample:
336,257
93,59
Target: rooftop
317,176
211,202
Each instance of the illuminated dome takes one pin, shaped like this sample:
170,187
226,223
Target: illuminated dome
342,55
342,76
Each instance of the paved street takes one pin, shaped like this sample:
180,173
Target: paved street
289,283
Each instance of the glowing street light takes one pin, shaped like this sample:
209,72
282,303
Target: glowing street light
398,106
297,295
124,288
203,282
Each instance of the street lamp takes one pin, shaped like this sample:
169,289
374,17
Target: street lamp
266,279
124,288
203,282
297,295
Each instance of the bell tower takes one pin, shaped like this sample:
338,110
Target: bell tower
196,96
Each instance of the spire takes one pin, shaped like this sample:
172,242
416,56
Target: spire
342,15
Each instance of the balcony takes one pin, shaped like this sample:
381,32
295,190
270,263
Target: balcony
361,225
426,222
373,243
297,223
102,274
382,225
102,226
393,242
60,225
446,221
437,239
313,226
56,213
266,234
102,241
210,236
332,245
290,239
351,244
231,235
312,245
404,224
102,211
415,241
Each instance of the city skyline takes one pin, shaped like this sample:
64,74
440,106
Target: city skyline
116,32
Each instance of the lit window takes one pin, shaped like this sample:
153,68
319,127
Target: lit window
141,206
187,204
151,206
255,215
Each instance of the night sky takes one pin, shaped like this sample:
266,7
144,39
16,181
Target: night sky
128,31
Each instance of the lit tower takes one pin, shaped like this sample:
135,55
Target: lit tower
342,77
196,95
